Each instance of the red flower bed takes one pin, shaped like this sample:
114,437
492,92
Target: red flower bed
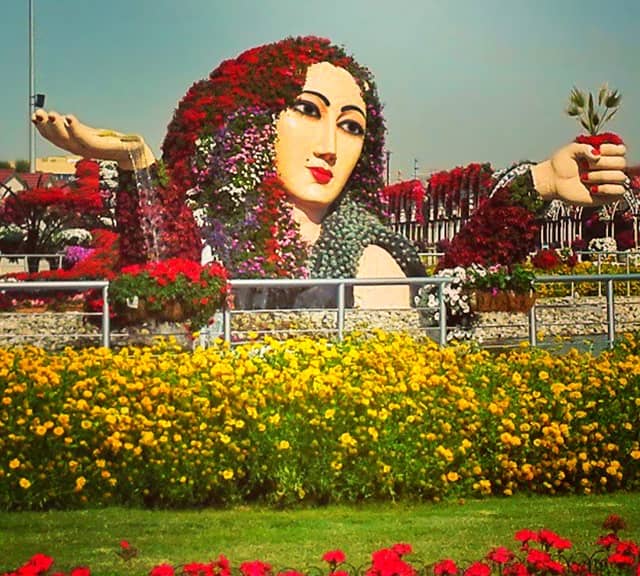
541,552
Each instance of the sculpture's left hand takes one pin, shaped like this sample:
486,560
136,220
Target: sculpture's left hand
582,175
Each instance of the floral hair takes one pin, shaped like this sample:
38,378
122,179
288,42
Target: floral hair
269,78
219,151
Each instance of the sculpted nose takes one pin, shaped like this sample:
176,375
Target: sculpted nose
326,146
328,157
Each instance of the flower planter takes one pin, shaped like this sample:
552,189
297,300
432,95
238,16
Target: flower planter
502,301
31,309
172,312
129,315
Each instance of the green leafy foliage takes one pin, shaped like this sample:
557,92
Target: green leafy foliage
593,113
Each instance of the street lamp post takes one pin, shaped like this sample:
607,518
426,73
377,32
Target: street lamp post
388,153
32,129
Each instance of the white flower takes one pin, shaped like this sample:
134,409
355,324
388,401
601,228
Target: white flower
603,245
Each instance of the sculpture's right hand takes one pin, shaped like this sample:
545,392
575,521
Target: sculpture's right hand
70,134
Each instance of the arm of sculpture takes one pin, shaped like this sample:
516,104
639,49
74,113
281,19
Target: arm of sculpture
504,227
153,220
583,175
68,133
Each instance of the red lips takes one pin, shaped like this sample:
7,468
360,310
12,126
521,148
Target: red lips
321,175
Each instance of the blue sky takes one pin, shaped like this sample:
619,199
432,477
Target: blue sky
462,80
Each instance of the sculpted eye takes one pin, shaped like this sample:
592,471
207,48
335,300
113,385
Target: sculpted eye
352,127
307,108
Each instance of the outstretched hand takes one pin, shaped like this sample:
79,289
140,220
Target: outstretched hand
68,133
583,175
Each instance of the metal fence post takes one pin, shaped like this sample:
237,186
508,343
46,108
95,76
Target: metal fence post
533,329
443,315
106,321
226,324
340,311
611,318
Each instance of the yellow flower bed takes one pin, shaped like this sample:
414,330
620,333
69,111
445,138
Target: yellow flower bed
587,288
308,420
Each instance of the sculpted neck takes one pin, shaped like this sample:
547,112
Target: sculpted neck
309,217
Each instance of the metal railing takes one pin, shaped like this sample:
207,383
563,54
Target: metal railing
340,286
79,285
624,258
606,279
26,258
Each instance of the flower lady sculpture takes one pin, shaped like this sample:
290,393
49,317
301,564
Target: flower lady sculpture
278,157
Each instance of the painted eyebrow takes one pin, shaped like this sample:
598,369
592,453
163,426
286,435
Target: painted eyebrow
354,107
326,102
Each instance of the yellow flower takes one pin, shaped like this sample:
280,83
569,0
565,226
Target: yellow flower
41,430
452,476
283,445
347,440
147,438
635,454
274,419
80,483
15,463
445,453
227,474
58,430
24,483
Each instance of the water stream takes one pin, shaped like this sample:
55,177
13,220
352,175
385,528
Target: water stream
151,221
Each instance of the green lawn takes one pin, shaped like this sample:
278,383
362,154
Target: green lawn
298,538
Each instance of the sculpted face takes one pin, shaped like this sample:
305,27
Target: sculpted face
320,137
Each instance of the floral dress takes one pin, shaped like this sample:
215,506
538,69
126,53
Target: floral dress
503,229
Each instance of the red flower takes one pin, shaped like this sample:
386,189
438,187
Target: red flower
515,569
599,139
608,540
500,555
549,538
124,545
162,570
402,549
526,536
546,259
387,562
199,569
334,557
39,563
478,569
621,559
81,571
445,567
580,569
541,560
255,568
614,523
